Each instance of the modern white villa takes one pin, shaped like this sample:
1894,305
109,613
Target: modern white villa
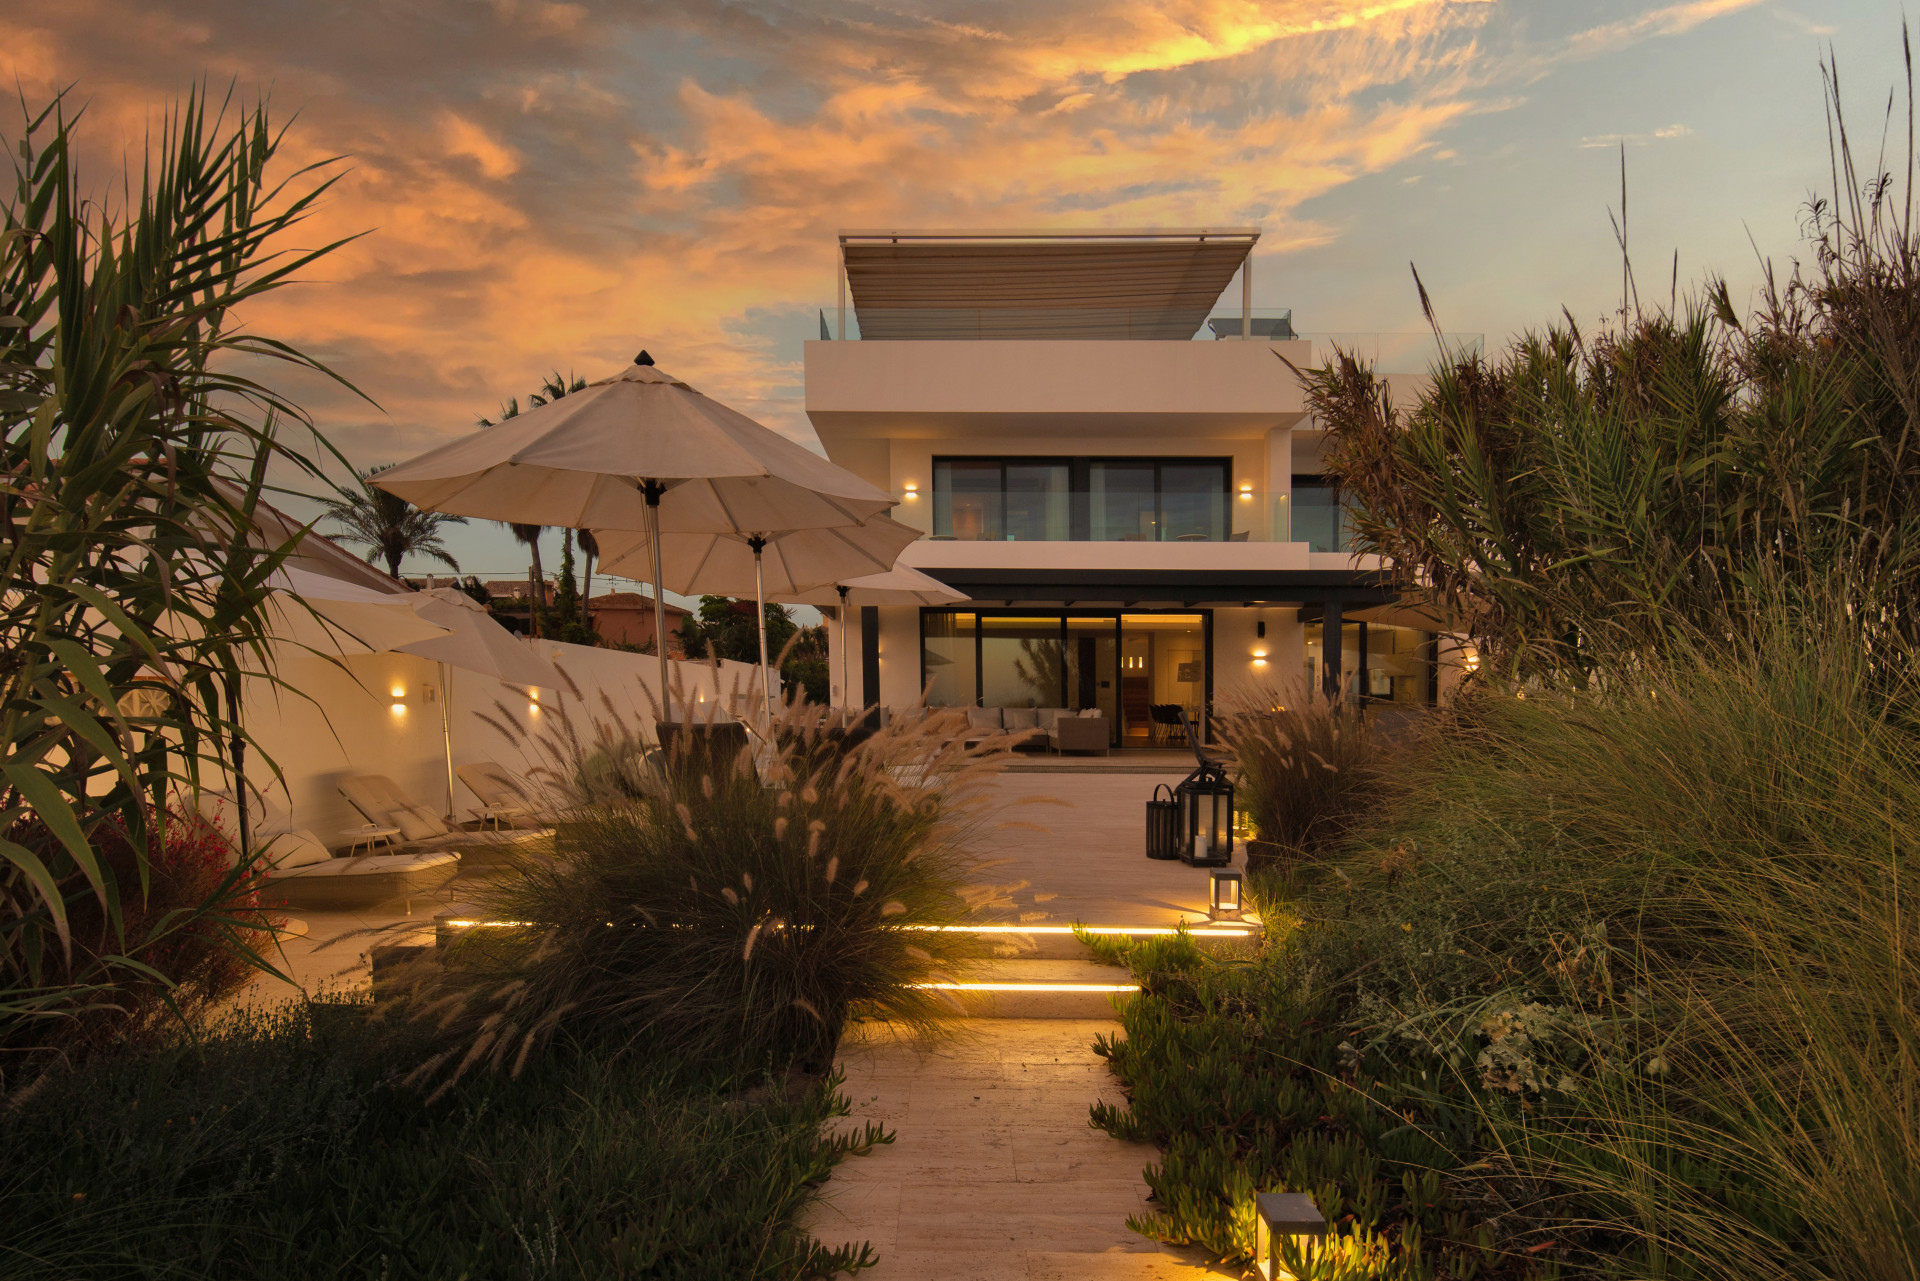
1110,454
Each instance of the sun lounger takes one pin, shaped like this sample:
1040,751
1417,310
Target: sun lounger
503,798
304,877
422,831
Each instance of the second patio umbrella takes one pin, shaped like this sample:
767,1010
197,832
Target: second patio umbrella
901,585
640,451
475,642
777,565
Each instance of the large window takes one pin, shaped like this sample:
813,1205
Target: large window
1097,499
993,500
1320,518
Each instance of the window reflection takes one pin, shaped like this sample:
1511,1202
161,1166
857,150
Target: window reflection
1319,518
1103,500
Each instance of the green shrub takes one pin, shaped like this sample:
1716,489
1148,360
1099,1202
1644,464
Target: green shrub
1633,969
280,1148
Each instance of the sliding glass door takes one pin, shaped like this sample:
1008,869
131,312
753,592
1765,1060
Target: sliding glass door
1123,664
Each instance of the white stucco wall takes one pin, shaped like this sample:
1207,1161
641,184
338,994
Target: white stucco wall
348,722
1236,645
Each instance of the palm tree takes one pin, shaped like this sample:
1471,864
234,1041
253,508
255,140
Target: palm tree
390,527
589,548
528,536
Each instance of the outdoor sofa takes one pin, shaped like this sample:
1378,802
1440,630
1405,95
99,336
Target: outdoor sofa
1037,729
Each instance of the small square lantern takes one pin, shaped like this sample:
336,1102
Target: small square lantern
1224,902
1206,804
1281,1219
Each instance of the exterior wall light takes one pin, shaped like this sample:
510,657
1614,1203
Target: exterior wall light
1259,658
1246,492
912,489
1473,660
398,695
1285,1227
1223,901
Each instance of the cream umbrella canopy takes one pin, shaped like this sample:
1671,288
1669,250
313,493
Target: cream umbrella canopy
901,585
330,616
770,566
640,451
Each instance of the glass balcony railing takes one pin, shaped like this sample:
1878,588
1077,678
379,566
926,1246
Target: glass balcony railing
1412,352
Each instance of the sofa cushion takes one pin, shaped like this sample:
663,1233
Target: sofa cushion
1048,715
1016,719
298,848
986,718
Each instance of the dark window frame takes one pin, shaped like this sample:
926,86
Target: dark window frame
1080,483
1064,613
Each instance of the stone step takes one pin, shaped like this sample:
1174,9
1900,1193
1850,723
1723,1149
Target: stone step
1041,989
1049,941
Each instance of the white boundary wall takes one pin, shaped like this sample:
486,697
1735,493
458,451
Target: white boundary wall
350,721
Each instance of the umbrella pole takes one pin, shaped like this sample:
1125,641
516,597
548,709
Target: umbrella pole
846,687
653,489
760,612
239,747
446,729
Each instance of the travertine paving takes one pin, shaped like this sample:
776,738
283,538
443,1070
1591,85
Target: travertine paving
1075,846
994,1173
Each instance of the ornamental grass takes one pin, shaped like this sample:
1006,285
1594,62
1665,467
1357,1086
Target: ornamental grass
738,905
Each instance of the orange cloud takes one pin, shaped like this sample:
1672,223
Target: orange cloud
558,185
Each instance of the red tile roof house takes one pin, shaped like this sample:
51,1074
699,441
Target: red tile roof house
626,618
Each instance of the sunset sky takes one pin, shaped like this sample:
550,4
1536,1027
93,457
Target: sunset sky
557,185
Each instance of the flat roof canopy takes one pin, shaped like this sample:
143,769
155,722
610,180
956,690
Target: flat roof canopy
1159,283
1122,587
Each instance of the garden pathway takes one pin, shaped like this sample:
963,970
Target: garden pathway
995,1173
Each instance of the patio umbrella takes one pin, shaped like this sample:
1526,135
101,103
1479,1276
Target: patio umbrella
642,451
441,624
345,618
473,641
901,585
780,565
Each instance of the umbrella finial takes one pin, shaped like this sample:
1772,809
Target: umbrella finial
643,359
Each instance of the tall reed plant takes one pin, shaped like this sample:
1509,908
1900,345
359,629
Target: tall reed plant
138,567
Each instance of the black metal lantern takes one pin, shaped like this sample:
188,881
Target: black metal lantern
1163,824
1224,902
1206,813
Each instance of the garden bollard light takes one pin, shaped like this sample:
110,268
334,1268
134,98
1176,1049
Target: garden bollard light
1281,1217
1224,903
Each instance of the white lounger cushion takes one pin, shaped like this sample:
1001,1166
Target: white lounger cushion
376,796
495,786
371,865
298,848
